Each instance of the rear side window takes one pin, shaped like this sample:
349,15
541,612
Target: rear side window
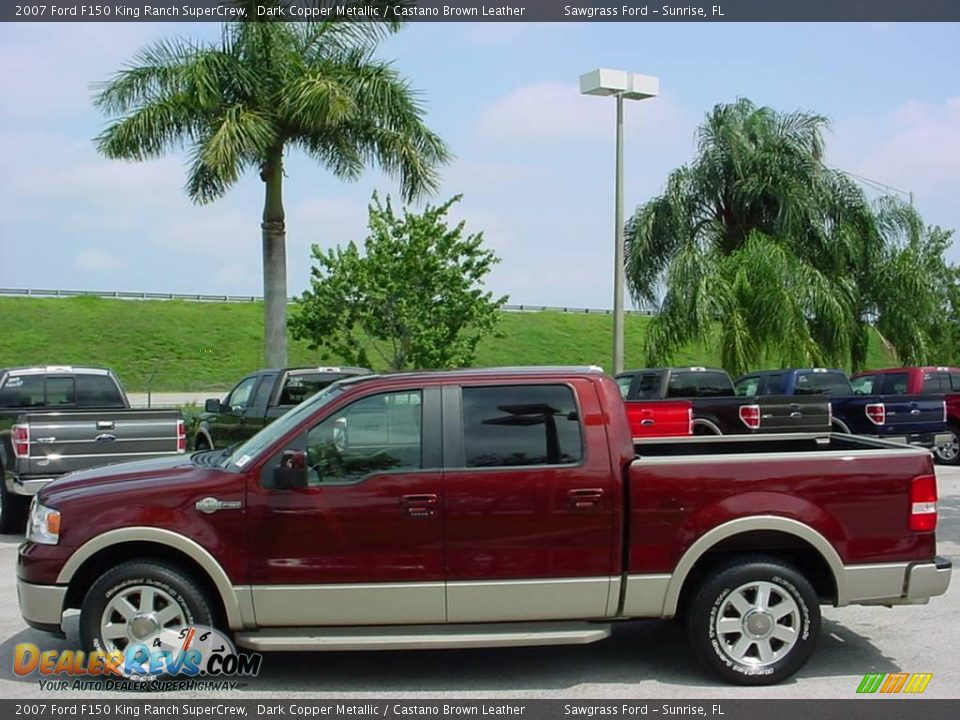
297,388
623,382
22,391
648,387
774,384
520,425
955,382
98,391
893,384
699,384
823,383
934,382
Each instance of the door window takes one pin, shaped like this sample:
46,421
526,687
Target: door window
894,384
774,384
521,425
954,382
748,387
623,382
935,383
376,434
240,397
648,388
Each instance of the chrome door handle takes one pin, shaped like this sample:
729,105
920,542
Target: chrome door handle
583,498
419,505
648,422
210,505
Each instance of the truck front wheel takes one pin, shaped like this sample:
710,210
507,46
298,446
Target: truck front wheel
135,601
13,509
755,621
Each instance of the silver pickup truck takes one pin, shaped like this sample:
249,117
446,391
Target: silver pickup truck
57,419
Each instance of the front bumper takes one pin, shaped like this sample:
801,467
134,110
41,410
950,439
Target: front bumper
42,605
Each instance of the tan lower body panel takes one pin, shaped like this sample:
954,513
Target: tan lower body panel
511,600
354,604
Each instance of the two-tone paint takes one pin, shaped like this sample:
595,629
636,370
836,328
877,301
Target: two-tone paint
457,551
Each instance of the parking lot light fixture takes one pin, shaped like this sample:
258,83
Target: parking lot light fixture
624,86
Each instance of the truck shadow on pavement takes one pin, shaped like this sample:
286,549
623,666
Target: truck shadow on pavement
637,651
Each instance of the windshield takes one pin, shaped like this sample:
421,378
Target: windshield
249,450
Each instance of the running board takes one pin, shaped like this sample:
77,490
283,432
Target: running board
421,637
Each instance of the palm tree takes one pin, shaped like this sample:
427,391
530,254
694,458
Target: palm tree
758,248
264,88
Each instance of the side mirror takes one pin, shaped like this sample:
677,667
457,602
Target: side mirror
212,405
292,470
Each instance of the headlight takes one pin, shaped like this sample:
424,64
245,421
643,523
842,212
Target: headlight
43,524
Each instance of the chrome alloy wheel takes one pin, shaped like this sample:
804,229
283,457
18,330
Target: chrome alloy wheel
137,614
757,624
948,453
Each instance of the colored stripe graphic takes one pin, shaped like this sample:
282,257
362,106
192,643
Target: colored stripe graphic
870,682
894,682
918,682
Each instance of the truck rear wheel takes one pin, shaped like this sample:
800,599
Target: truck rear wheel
755,621
949,454
134,601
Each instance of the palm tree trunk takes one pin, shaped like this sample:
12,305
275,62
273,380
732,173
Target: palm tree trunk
274,262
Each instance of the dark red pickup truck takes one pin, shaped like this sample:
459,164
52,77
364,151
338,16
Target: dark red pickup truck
920,381
486,508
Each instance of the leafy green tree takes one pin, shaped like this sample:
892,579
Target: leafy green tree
265,88
414,298
760,249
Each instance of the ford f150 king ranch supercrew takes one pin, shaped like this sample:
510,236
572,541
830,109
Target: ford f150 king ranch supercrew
918,420
57,419
259,399
486,508
919,381
711,406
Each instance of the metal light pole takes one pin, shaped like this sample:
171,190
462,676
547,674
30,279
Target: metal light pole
630,86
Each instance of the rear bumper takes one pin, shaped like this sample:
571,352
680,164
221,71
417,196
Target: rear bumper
898,583
42,605
926,440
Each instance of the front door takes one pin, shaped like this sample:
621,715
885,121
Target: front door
362,543
530,503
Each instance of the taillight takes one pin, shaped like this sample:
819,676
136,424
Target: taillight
876,413
181,437
750,416
923,503
20,437
689,421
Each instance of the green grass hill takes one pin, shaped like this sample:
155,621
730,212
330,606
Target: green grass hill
194,346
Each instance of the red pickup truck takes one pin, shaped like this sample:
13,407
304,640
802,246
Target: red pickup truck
920,381
486,508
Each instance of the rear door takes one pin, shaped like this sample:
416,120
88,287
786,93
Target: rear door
530,502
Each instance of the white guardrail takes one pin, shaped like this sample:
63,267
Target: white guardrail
198,297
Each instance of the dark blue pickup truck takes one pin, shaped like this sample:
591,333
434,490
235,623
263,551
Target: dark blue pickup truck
915,419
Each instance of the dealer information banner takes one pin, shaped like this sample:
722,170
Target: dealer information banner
483,11
490,709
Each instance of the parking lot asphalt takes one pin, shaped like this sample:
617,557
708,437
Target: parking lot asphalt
645,659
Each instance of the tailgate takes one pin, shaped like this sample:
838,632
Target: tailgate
659,418
792,413
913,414
61,442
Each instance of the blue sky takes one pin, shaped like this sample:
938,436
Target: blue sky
534,159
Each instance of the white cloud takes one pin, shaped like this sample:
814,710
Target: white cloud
549,111
97,261
916,147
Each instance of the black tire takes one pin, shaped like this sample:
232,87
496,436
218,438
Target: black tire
949,455
737,657
13,510
127,577
201,443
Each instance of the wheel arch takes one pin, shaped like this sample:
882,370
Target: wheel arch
776,536
146,543
708,424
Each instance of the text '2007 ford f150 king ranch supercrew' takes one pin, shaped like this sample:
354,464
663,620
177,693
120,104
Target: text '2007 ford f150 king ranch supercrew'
486,508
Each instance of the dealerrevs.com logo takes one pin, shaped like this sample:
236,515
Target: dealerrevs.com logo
194,657
891,683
